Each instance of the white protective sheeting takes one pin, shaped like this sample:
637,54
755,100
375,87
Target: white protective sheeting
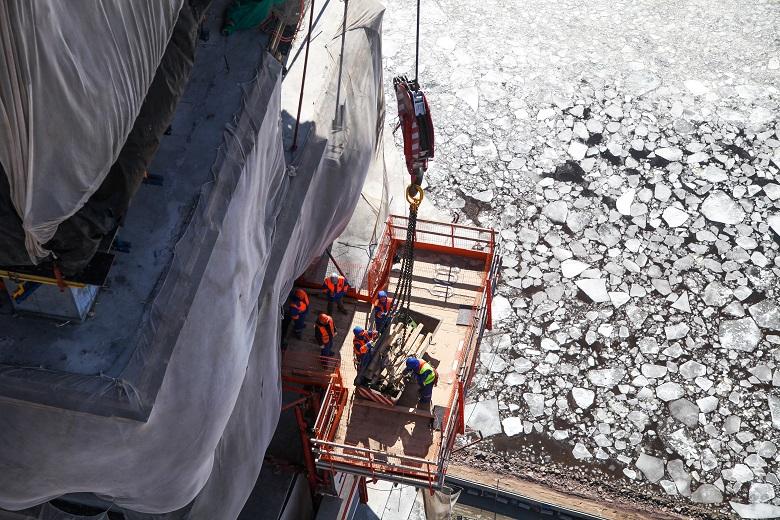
73,79
254,230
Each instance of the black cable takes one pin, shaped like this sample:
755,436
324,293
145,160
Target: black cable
403,292
417,45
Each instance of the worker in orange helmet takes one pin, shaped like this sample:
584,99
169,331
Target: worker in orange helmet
298,309
382,316
363,345
335,288
295,312
324,332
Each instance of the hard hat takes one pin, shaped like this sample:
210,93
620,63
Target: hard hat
300,293
412,363
382,295
357,330
334,277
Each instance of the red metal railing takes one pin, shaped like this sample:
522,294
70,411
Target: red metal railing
331,411
378,271
452,239
376,463
308,368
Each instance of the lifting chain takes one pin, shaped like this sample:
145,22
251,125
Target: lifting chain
403,292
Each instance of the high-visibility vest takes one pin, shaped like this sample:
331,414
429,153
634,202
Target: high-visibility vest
298,306
339,287
361,341
324,331
381,308
427,371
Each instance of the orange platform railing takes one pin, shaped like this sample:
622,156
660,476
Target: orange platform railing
452,239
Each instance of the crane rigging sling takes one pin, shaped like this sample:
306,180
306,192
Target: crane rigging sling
417,127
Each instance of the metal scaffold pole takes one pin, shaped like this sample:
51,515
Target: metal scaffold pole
303,78
337,116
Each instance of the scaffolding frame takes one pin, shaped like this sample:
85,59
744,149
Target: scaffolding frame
446,238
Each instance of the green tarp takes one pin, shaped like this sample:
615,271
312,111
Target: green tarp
247,14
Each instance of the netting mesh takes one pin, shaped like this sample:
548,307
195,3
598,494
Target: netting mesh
208,363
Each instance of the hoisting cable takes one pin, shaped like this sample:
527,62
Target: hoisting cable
403,292
417,47
418,121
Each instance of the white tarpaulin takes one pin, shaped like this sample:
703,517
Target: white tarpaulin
203,380
73,79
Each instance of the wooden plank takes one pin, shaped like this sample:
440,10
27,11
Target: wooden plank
95,273
395,353
412,337
416,412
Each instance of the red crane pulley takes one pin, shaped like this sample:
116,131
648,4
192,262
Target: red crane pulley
417,127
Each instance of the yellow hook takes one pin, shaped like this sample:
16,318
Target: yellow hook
414,195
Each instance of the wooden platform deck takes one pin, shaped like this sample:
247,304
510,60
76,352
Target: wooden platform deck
444,287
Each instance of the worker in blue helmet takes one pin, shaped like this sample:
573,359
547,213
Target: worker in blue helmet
382,315
363,345
425,375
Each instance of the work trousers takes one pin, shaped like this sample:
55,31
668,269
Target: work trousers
335,298
327,349
300,323
426,392
382,323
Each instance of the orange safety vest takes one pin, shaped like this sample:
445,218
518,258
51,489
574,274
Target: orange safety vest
339,287
325,331
299,306
360,343
381,308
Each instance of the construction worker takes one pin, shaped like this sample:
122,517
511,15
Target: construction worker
324,332
297,309
363,345
335,287
425,375
382,315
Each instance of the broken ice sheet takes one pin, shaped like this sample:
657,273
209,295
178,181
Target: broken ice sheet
719,207
707,494
742,334
607,377
483,416
512,426
651,467
595,289
756,511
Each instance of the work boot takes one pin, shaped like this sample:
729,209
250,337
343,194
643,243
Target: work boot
330,308
342,309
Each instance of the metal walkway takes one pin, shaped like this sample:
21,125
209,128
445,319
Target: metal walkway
512,505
